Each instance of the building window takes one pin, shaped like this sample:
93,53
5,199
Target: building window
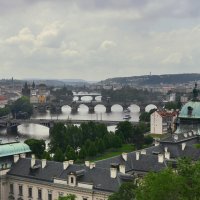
11,188
20,190
190,109
72,180
85,198
49,195
39,194
30,193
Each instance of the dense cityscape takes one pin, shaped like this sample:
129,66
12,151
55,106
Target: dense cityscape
99,100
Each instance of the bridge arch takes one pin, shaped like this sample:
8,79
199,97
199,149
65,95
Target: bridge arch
150,107
117,107
99,108
34,129
134,108
66,108
83,107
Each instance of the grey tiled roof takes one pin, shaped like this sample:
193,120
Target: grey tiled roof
146,163
99,177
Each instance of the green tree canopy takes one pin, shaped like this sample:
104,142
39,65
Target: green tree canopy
37,146
126,192
22,107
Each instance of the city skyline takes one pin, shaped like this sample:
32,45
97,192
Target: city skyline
95,40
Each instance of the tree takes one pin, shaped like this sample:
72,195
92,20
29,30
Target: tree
126,192
145,117
124,130
4,111
58,137
100,145
22,108
59,156
92,151
180,184
37,146
165,185
148,139
70,153
68,197
82,153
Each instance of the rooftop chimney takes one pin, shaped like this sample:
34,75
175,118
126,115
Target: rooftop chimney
44,163
137,155
122,169
124,156
87,163
143,152
160,158
65,165
156,143
71,162
167,155
32,160
92,165
16,158
113,172
23,155
183,145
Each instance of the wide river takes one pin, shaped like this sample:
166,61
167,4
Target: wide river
40,132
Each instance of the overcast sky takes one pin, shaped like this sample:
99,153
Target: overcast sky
98,39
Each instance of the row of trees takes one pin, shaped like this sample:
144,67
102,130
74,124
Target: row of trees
169,184
89,140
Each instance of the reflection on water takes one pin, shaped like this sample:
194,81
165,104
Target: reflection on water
40,132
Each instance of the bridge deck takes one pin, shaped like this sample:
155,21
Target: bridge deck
47,121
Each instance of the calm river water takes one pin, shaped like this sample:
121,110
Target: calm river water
40,132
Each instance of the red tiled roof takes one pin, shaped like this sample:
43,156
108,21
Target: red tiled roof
167,114
2,98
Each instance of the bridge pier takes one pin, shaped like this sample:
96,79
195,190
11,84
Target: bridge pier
91,109
142,109
108,108
55,109
11,129
94,98
79,98
125,107
41,108
74,109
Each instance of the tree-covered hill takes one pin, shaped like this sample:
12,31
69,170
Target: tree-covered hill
155,79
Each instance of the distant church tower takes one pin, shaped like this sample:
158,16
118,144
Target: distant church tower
26,90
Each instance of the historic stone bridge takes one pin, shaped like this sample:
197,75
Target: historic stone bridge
93,95
56,107
12,124
108,105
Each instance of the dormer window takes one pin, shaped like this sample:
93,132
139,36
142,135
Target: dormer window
72,180
190,109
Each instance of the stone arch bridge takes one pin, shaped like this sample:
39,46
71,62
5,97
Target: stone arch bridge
12,124
108,105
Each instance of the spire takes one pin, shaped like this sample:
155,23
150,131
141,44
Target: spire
33,85
195,93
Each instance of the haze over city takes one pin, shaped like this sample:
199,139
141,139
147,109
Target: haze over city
98,39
